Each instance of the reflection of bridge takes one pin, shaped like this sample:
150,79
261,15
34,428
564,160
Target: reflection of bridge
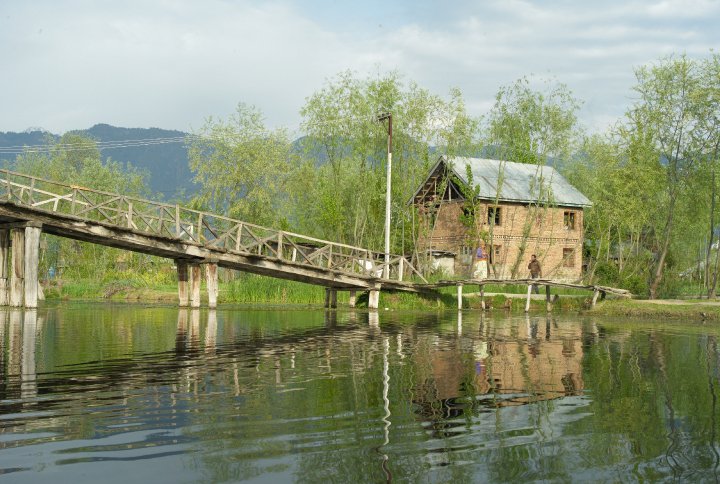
30,205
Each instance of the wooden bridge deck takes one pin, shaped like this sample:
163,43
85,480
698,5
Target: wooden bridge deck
172,231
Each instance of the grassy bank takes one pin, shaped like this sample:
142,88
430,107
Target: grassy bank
668,309
255,290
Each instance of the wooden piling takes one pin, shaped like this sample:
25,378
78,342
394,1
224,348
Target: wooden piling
4,263
183,289
596,293
548,301
330,298
482,297
31,260
353,299
195,276
527,301
373,299
211,279
459,295
17,273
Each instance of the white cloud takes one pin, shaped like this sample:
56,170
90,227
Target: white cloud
171,64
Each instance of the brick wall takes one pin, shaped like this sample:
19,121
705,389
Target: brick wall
554,234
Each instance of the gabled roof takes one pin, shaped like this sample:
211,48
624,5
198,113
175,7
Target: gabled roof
521,182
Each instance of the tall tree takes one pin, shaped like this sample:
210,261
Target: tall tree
341,123
667,110
241,166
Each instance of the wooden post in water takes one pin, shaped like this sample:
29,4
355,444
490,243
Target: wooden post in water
353,299
32,258
459,295
373,299
17,273
195,277
211,275
183,289
548,300
527,301
482,297
596,293
333,298
4,253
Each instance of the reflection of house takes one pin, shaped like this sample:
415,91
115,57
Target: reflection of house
521,209
530,364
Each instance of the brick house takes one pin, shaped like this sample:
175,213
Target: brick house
516,210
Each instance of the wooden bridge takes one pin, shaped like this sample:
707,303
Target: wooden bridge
194,239
31,205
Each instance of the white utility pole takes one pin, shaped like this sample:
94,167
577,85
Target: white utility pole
382,117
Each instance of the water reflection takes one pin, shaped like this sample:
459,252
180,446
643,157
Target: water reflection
310,395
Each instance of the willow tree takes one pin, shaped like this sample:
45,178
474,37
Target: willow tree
532,121
670,110
345,195
241,166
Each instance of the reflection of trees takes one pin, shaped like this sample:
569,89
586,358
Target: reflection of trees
302,394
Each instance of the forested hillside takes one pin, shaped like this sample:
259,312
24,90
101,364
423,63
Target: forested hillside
166,163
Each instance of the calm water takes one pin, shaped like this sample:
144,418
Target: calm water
121,393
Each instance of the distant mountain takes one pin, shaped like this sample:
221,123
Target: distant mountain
167,163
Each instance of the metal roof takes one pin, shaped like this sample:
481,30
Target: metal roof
521,182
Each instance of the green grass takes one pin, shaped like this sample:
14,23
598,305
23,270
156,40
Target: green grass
253,289
688,311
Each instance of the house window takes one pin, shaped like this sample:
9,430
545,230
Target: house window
495,254
465,250
494,217
568,257
569,220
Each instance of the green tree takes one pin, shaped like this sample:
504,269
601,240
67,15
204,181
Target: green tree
242,167
529,125
341,123
668,111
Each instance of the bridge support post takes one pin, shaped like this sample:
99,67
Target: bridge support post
330,298
17,274
527,301
353,299
211,275
373,299
548,300
195,276
4,252
183,293
459,295
32,259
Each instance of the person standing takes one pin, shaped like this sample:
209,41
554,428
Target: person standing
480,269
535,271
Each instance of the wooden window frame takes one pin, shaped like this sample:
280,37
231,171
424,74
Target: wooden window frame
570,219
494,211
568,259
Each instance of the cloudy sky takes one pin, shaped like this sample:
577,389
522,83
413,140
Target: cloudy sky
151,63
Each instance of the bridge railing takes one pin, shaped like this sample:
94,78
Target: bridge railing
196,227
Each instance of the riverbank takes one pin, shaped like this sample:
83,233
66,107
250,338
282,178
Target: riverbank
256,290
678,310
